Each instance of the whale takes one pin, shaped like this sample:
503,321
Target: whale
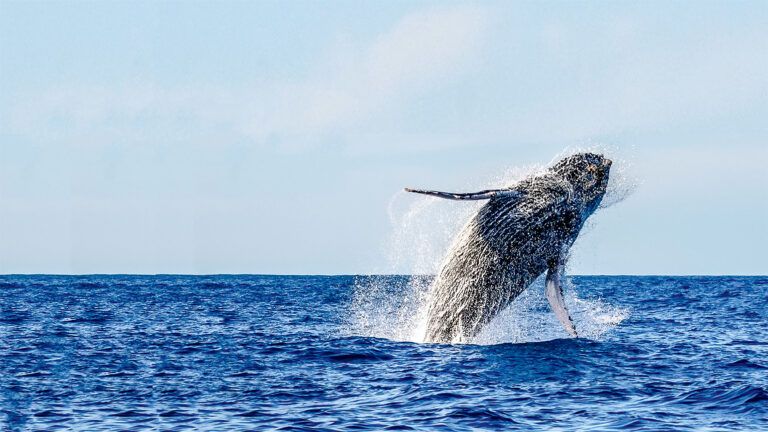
521,232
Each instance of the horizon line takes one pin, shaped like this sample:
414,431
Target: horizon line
354,274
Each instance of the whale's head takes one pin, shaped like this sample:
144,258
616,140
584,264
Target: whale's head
588,174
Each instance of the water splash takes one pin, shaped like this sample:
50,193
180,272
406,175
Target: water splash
530,319
423,232
390,307
393,307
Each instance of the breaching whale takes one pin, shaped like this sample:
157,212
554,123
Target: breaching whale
520,233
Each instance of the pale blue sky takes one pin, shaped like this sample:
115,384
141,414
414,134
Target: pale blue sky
272,137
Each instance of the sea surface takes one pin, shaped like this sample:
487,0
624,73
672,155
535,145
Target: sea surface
248,352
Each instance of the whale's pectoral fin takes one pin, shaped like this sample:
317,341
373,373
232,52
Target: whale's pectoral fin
481,195
556,301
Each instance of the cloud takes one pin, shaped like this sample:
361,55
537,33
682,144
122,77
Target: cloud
548,78
422,51
633,73
356,81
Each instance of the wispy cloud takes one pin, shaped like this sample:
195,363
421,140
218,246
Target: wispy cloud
566,82
356,81
627,74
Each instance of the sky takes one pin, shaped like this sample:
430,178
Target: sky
274,137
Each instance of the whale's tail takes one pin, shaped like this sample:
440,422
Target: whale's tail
471,196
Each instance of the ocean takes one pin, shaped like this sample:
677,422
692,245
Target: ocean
250,352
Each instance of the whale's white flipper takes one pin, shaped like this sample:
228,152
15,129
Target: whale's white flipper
556,301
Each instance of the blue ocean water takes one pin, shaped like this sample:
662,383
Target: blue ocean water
221,353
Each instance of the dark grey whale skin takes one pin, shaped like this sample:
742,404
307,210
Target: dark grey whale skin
514,238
